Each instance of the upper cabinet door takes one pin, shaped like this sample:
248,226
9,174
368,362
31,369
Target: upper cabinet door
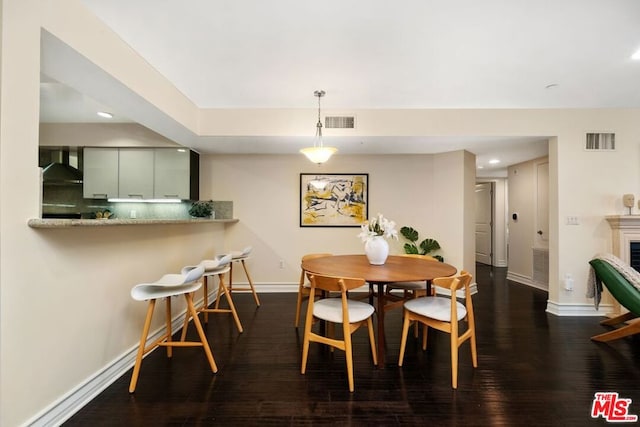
100,176
135,177
172,173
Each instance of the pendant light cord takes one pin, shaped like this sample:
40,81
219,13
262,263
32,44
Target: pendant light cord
319,94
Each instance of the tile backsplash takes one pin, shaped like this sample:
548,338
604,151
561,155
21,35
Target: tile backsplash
67,199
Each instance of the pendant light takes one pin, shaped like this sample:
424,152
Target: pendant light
318,153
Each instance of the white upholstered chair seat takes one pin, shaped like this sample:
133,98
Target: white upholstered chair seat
438,308
330,309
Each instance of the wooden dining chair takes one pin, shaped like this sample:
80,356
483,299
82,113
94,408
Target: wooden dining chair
410,290
444,314
304,287
337,310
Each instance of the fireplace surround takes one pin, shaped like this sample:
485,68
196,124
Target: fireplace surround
626,244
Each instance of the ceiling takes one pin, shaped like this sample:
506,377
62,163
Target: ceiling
376,54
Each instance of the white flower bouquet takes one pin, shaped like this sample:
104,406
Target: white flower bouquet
378,226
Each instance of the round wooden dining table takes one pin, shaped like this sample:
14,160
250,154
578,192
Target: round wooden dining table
395,269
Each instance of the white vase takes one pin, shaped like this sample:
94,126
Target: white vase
377,250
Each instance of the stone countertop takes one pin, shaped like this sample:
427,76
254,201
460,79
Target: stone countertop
68,223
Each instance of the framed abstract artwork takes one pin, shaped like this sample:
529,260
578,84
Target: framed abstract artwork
334,200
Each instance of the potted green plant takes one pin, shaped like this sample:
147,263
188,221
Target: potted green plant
201,209
425,247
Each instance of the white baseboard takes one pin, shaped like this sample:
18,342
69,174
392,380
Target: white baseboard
269,287
574,309
525,280
520,278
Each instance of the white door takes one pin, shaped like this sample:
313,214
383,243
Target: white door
484,215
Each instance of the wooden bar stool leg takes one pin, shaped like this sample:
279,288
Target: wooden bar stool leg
203,337
217,306
205,303
187,316
168,320
253,290
141,346
223,289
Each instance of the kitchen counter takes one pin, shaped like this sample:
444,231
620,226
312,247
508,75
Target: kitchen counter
68,223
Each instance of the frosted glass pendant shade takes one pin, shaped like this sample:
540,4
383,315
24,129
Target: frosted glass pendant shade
318,154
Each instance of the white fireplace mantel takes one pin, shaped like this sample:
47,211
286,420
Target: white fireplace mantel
624,222
626,229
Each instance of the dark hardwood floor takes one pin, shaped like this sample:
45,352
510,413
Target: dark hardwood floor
533,369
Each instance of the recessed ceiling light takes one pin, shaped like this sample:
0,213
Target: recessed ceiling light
494,161
105,114
636,56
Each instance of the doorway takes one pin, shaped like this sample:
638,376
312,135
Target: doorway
484,222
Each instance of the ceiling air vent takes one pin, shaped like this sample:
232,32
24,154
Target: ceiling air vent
340,122
601,141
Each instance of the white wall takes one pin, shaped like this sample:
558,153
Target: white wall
411,190
100,135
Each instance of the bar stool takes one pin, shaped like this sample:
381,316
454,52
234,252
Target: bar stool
218,267
168,286
241,257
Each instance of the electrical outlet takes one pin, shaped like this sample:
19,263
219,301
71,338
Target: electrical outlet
573,220
568,282
281,263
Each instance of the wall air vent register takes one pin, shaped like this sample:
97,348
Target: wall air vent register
340,122
600,141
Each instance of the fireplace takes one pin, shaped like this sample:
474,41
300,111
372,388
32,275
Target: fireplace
634,255
626,242
626,238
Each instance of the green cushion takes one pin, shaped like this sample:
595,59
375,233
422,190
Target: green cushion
623,291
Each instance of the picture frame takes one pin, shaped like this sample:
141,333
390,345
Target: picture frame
334,199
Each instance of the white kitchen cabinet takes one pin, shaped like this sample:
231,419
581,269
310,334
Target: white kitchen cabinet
100,174
141,173
172,173
135,173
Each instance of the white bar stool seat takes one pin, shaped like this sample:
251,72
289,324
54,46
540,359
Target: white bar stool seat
168,286
241,257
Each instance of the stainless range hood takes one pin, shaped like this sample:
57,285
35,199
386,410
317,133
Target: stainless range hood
60,171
